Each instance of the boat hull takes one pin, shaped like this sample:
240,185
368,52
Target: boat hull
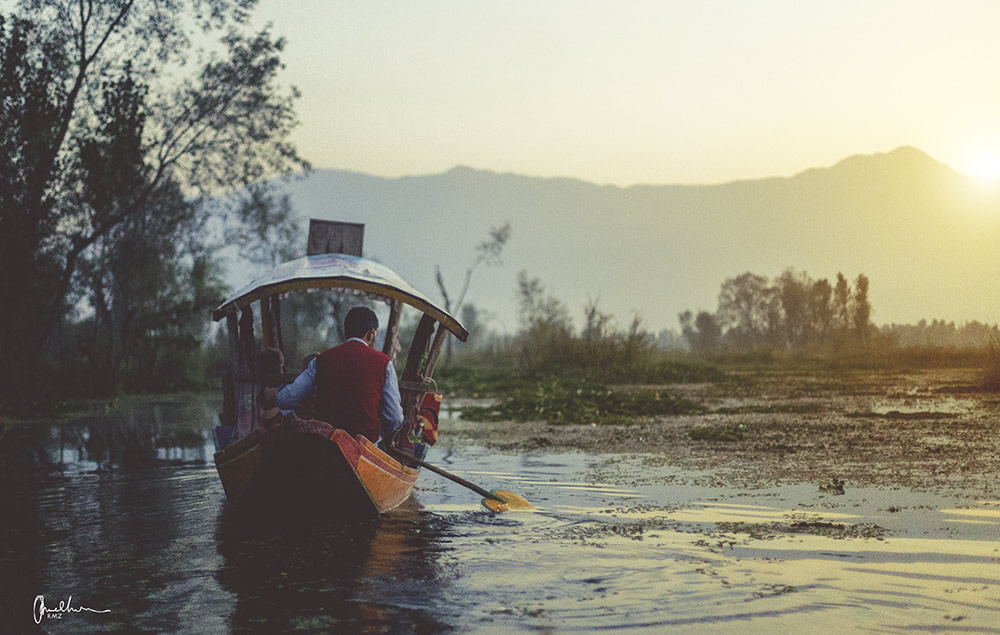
306,466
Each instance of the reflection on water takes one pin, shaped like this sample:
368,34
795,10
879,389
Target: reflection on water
353,576
138,432
125,513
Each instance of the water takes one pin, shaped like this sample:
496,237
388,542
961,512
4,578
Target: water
124,512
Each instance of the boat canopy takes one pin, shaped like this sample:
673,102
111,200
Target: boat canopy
338,271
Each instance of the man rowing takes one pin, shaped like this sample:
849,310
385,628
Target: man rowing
355,385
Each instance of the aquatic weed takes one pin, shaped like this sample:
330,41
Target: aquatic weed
561,401
767,531
725,434
775,589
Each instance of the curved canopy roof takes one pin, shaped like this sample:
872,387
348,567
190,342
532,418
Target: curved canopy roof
338,271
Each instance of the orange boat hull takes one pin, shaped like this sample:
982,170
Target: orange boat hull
304,467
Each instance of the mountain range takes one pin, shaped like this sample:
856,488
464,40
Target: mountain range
924,234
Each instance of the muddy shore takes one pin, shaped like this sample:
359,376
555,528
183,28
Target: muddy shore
926,430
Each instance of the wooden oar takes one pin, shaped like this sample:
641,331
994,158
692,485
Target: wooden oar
497,500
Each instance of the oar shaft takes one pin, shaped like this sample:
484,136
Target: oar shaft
458,479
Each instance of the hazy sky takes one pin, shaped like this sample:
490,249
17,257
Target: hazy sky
640,91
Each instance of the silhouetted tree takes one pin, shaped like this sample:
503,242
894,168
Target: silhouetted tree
66,67
487,252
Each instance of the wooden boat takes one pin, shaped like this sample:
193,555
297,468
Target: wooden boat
309,465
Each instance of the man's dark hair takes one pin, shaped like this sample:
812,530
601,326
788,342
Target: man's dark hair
359,321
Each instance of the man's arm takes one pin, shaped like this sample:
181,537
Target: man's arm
391,412
289,396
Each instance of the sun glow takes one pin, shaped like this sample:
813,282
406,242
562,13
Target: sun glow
985,168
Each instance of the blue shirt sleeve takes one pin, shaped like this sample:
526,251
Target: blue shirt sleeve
289,396
391,412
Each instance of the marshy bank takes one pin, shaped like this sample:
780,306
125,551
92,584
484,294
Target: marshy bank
921,428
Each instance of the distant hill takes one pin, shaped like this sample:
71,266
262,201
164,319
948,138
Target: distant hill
923,233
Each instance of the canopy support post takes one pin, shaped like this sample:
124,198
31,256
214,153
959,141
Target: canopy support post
411,397
432,357
228,386
279,341
266,323
246,391
391,344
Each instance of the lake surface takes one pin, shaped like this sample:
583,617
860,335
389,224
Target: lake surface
120,515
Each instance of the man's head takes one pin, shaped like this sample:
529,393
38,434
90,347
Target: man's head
361,322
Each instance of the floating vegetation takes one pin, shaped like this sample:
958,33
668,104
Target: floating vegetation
906,416
835,486
562,401
498,379
724,434
775,589
593,533
779,408
765,531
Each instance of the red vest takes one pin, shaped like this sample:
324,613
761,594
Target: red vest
349,383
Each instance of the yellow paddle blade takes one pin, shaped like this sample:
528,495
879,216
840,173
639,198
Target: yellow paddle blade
511,502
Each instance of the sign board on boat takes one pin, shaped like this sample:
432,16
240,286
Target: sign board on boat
335,237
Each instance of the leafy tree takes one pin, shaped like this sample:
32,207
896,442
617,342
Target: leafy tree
702,332
132,276
806,308
266,229
796,311
862,309
793,289
841,309
709,333
97,130
743,308
821,310
841,302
